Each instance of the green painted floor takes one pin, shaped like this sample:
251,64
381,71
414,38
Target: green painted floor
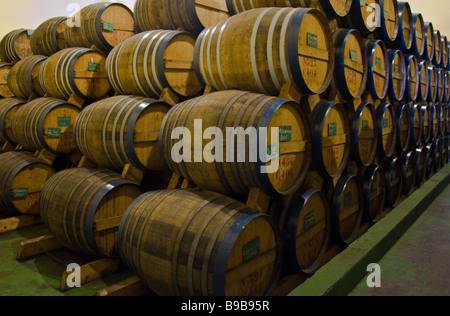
419,264
41,276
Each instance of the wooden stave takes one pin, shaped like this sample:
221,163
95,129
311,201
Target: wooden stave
255,84
340,38
421,166
427,123
368,179
29,131
433,77
431,159
355,137
441,85
242,181
392,93
415,49
318,118
158,80
437,48
336,202
136,219
68,57
422,95
78,234
393,164
370,47
135,106
6,105
21,81
381,113
434,121
409,180
403,141
46,33
14,164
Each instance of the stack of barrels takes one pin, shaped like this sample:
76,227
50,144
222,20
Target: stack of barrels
333,110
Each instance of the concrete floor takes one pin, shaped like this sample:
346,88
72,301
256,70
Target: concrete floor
419,264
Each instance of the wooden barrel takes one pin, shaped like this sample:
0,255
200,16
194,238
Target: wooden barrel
443,151
331,138
351,71
378,64
232,112
278,46
412,79
404,127
8,108
16,46
199,243
103,25
417,125
397,75
424,81
447,120
364,138
447,85
333,9
437,57
389,21
362,16
83,209
418,28
5,68
387,134
394,181
78,71
405,36
191,16
430,43
409,168
421,166
433,77
427,114
439,146
305,223
23,78
346,209
447,147
121,130
22,177
440,108
151,61
435,121
48,38
431,159
440,85
45,123
374,193
444,51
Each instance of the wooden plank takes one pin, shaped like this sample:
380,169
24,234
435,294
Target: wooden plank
292,147
93,271
175,182
37,246
106,224
144,137
14,223
259,200
133,174
130,287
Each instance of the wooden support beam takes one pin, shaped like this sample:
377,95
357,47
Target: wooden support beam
130,287
37,246
14,223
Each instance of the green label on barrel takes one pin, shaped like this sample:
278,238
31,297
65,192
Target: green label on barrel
273,152
386,123
94,67
20,193
348,199
312,40
386,15
378,62
108,26
354,55
285,134
365,125
251,250
6,76
309,221
64,121
30,32
332,129
54,133
362,3
396,68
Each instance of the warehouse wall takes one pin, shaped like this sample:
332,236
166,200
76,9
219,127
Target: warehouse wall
30,13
